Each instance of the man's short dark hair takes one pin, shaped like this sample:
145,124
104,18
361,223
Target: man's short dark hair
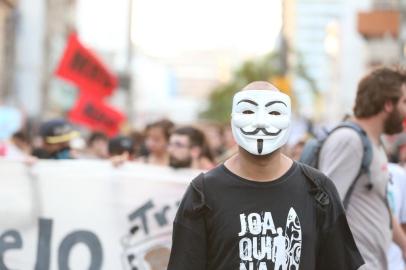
375,89
196,138
165,125
95,136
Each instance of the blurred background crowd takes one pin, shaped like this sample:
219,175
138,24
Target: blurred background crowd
182,61
161,143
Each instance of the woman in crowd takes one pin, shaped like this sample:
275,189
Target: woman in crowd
156,142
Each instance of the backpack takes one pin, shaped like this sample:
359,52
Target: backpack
200,206
312,149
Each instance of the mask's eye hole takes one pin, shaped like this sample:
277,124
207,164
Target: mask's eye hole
274,113
247,112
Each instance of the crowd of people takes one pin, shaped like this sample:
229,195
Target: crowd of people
366,165
161,143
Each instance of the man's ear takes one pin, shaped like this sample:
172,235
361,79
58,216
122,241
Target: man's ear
389,106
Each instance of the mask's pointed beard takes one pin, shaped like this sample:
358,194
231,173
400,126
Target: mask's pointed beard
260,144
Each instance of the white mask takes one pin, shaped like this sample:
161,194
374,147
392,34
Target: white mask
260,120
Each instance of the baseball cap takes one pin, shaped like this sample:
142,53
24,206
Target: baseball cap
57,131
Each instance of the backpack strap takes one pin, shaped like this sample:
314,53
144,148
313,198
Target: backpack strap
366,159
199,204
313,177
318,192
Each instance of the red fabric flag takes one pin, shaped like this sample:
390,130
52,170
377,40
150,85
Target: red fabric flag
96,115
83,68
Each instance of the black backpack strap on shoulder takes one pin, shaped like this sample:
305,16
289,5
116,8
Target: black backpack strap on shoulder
200,206
365,163
320,195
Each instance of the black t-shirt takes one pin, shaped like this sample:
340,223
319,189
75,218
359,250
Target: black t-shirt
249,225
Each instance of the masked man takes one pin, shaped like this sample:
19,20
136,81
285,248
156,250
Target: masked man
260,210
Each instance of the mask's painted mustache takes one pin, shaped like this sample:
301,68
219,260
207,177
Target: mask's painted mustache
255,132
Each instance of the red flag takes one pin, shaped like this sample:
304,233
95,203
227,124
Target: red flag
83,68
96,115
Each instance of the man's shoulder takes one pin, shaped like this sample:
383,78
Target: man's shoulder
214,175
217,173
309,171
344,134
342,140
320,179
199,198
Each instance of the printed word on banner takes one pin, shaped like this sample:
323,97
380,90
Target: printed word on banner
96,115
83,68
61,216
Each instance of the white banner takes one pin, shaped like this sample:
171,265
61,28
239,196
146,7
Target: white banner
87,215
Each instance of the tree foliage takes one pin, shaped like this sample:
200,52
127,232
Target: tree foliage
263,69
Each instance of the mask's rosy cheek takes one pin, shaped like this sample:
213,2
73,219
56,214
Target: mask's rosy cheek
241,120
279,122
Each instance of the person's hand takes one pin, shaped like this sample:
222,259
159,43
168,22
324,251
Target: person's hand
404,254
403,248
119,160
30,160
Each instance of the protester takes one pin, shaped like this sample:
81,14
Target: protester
260,209
21,141
17,148
188,148
140,149
397,202
296,149
214,137
399,150
229,145
97,146
380,108
156,141
121,149
56,135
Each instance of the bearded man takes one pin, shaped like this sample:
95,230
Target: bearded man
380,108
